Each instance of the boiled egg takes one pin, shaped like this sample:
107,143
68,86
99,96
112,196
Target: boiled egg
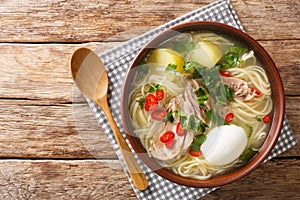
224,144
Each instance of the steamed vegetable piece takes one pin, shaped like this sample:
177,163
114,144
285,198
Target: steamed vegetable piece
207,54
165,57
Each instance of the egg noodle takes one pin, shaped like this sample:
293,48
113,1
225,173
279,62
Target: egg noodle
245,112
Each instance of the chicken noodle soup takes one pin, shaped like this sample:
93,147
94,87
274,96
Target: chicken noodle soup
201,104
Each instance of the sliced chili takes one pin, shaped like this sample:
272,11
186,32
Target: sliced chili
266,119
229,117
164,138
194,153
255,91
170,142
179,130
159,94
226,73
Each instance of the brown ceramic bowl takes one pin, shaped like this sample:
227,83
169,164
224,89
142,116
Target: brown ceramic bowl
277,95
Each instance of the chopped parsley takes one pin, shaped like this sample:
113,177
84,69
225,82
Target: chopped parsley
154,87
233,57
141,102
171,68
193,123
258,119
198,141
169,117
202,95
247,155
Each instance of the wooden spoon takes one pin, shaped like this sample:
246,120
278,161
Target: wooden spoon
90,77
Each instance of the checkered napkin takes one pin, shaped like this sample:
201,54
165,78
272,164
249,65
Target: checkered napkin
117,62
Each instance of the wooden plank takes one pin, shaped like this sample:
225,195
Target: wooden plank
273,180
71,130
44,74
78,21
92,179
268,20
50,131
63,180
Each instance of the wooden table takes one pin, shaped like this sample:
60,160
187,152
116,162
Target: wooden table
49,138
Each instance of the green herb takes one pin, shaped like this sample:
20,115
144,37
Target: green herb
197,69
171,67
250,129
195,147
247,155
238,50
169,117
193,123
202,95
233,57
229,93
154,87
258,118
141,102
203,126
198,141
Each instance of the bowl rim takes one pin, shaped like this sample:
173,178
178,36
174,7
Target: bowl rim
277,116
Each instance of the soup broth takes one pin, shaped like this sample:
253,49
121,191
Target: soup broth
200,104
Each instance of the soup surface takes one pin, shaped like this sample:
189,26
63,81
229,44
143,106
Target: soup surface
200,104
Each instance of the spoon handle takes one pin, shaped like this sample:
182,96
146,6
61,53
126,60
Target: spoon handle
138,177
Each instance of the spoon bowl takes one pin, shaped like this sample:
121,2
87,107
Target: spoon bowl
90,76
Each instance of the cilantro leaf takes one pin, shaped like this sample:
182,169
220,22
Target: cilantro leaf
169,117
198,141
238,50
202,95
229,93
197,69
247,155
154,88
141,102
171,67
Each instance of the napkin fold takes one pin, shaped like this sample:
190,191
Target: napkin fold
117,61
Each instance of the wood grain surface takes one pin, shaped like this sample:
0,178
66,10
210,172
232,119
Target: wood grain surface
51,146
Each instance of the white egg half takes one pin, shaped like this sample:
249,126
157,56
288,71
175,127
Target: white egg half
224,144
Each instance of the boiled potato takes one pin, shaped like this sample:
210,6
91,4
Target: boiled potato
207,54
166,56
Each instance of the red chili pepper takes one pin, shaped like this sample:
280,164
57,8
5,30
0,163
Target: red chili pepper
193,153
255,91
226,73
179,129
159,94
150,107
229,117
151,99
164,138
151,102
158,114
170,142
266,119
